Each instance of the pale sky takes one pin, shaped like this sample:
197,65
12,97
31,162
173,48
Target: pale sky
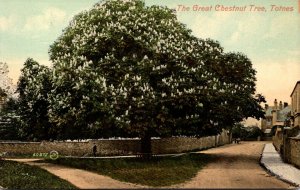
269,38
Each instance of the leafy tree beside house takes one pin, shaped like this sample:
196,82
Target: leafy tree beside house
135,67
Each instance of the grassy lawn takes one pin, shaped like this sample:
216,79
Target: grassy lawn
14,175
159,171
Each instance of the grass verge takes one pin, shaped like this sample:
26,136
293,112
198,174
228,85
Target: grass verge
159,171
14,175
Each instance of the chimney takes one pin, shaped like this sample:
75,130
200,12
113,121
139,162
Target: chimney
266,106
280,105
275,104
285,104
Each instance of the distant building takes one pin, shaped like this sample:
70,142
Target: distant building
275,116
295,110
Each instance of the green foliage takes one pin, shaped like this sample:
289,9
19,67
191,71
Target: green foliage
2,93
33,87
238,131
14,175
129,55
254,132
10,121
134,68
124,69
159,171
251,132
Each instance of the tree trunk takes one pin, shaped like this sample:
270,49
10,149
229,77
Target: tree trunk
146,148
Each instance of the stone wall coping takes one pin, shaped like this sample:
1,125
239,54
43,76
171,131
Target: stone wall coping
295,138
113,140
27,142
20,142
97,140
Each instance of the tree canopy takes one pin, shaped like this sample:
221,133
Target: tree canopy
6,85
34,85
8,119
137,68
250,132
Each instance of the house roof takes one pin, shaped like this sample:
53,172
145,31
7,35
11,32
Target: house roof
295,87
281,114
269,111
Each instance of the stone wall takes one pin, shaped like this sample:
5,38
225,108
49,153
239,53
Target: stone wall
114,147
104,147
295,151
288,145
182,144
277,140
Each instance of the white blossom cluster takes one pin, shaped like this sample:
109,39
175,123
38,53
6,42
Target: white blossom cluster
32,77
6,83
120,58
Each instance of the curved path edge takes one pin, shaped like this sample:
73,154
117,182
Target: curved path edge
236,166
273,163
80,178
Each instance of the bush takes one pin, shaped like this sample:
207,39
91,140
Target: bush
240,131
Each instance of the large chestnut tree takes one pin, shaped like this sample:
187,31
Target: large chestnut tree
124,65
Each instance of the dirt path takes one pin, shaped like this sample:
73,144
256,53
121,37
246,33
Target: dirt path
237,166
80,178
